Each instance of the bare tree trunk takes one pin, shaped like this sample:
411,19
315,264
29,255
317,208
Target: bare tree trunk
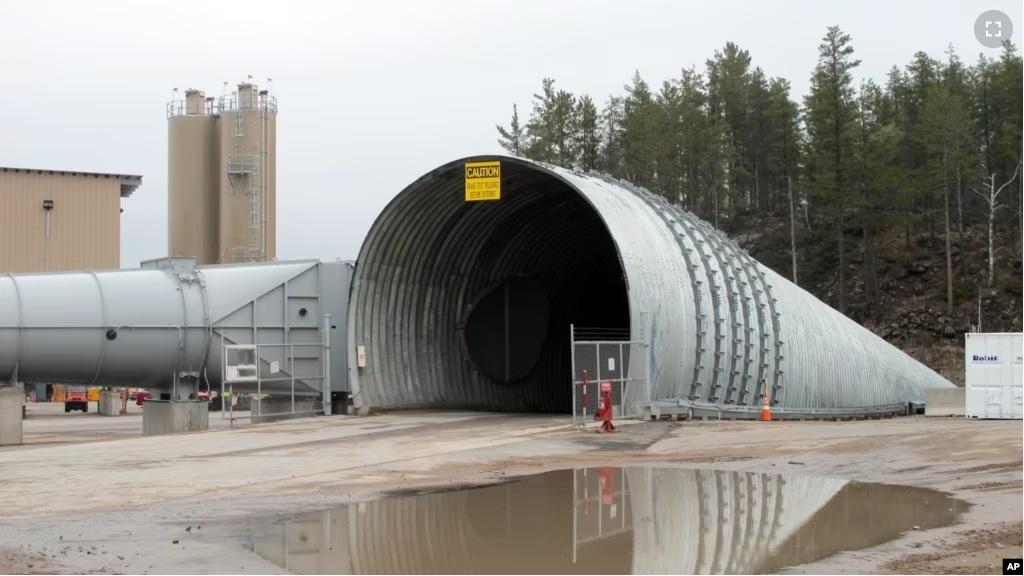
842,262
714,189
930,214
992,198
949,256
757,190
959,193
979,310
1020,220
868,291
792,227
991,221
875,302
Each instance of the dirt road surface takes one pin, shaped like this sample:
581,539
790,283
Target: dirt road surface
122,505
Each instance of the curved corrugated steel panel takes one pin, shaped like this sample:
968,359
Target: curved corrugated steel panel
718,522
716,321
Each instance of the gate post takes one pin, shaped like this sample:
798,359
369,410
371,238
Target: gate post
572,362
325,366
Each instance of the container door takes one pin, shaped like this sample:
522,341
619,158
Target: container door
1015,352
993,398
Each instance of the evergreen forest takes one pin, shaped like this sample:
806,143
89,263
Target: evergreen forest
897,201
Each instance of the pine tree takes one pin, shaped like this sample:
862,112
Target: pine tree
639,133
782,140
877,177
668,153
831,125
588,143
563,130
693,130
898,93
847,169
513,139
540,129
610,133
923,76
955,78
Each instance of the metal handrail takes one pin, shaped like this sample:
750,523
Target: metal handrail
232,103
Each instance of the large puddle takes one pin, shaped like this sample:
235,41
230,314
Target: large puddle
638,520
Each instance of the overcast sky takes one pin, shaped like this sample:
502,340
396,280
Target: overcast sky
373,94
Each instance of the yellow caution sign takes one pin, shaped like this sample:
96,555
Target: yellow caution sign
483,181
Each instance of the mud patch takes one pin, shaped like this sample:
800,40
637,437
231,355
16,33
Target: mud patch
13,561
988,486
712,459
992,468
976,552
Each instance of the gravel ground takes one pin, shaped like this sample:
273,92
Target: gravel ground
134,496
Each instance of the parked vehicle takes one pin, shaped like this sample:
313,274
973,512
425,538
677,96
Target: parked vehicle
77,399
140,397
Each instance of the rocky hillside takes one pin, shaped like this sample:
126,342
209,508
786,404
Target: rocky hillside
910,308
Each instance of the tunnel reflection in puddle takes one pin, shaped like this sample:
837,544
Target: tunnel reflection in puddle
640,520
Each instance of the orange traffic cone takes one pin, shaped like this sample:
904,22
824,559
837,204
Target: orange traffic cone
766,411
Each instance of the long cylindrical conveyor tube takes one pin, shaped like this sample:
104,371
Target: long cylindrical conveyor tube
116,328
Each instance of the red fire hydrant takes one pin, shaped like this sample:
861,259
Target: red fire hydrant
604,411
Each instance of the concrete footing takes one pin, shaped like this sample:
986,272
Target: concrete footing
11,402
172,417
944,402
110,403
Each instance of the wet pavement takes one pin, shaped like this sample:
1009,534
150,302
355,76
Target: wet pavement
600,521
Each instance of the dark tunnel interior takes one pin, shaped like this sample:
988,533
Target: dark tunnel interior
470,302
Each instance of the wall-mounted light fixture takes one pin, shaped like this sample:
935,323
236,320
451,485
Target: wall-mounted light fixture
47,206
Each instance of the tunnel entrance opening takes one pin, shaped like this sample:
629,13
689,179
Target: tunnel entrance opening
468,304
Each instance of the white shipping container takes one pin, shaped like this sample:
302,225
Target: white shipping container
994,378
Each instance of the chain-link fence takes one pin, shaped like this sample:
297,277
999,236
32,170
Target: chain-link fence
269,382
611,358
601,507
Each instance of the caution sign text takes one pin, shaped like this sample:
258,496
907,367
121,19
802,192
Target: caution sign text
483,181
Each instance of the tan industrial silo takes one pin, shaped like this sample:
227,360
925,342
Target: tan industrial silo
247,204
193,178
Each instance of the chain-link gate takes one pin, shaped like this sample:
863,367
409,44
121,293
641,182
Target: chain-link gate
607,356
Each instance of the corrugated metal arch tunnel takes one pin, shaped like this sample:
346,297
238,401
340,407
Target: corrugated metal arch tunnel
468,304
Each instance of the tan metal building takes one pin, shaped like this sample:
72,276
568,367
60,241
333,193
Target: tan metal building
221,176
54,220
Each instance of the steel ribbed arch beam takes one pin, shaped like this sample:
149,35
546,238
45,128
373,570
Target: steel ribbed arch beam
715,321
